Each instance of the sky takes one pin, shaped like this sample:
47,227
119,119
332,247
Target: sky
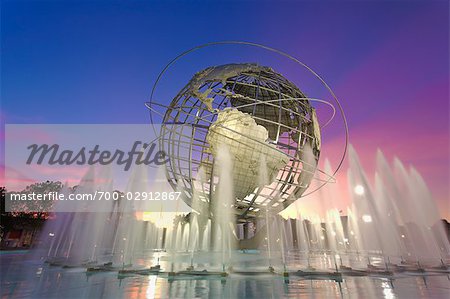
95,62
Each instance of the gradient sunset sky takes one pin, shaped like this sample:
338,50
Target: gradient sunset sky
95,62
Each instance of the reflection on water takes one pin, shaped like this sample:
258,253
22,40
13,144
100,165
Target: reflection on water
23,277
387,290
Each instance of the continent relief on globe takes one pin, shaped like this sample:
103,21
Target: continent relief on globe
255,162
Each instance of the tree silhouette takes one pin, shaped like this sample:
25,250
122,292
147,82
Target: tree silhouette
33,208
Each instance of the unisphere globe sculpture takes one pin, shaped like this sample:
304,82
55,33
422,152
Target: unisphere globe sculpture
264,123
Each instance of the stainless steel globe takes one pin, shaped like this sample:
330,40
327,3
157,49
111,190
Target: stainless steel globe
265,122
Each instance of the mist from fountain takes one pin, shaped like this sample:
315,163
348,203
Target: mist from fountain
223,206
393,220
111,234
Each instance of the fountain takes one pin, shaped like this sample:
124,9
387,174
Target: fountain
379,236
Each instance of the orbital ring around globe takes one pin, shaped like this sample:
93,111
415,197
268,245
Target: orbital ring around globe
333,113
263,121
330,178
245,43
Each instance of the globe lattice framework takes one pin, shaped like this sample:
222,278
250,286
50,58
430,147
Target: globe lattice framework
268,126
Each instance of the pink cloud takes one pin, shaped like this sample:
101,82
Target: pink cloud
13,179
31,133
